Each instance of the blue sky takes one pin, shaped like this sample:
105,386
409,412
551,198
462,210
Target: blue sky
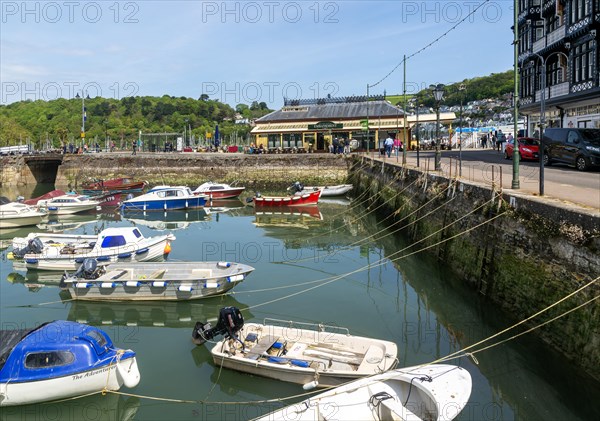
242,51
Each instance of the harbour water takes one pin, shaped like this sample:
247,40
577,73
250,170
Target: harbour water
327,266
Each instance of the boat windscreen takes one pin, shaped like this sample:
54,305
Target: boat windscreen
8,340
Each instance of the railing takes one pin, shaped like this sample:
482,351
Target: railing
559,90
539,45
556,35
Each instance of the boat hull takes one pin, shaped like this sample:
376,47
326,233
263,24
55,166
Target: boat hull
333,358
111,377
332,191
168,281
434,392
304,199
224,194
163,205
69,210
22,221
143,252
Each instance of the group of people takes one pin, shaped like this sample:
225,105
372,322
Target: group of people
497,140
71,148
340,146
392,144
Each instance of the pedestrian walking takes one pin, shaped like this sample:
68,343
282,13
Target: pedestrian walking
134,146
388,144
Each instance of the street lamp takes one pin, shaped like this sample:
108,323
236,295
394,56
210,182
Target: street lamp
418,140
461,88
542,115
438,95
83,113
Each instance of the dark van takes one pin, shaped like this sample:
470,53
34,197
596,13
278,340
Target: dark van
579,148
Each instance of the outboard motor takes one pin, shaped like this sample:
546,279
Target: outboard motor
230,322
34,246
87,270
297,187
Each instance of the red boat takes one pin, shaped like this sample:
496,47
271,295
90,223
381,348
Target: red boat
108,199
310,211
115,185
298,199
47,196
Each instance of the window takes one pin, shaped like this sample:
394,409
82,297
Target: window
583,62
274,141
47,359
98,337
573,138
555,73
137,233
579,10
553,23
113,241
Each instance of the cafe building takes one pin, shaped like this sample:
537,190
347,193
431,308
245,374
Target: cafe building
312,124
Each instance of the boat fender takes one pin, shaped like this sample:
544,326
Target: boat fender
124,256
185,288
223,264
211,285
82,285
142,251
310,385
130,378
235,278
167,249
134,284
107,285
159,284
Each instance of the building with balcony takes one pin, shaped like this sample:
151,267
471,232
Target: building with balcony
314,123
559,62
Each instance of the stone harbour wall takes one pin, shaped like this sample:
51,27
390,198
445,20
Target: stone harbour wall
533,255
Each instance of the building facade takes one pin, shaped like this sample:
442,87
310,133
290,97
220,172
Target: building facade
313,124
559,63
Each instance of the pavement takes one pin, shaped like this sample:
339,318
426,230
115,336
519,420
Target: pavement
562,185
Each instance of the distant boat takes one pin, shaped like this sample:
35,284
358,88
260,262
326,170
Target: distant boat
104,198
68,251
60,360
163,198
45,196
219,190
15,214
68,204
435,392
297,199
162,281
115,185
329,191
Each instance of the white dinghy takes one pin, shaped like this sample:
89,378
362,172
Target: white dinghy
311,355
436,392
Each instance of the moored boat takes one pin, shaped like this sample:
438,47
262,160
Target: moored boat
118,244
219,190
46,196
436,392
59,360
312,355
15,214
68,204
330,191
115,185
297,199
162,198
164,281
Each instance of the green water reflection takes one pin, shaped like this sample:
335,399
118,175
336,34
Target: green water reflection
299,257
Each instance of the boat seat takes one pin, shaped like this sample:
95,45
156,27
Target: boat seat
261,347
372,359
390,408
115,274
202,273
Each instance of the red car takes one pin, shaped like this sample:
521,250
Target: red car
528,148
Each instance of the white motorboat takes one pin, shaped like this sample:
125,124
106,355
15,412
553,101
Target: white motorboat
68,204
219,190
14,214
119,244
312,355
60,360
146,281
436,392
329,191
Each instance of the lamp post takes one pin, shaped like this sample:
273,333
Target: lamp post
461,88
83,113
438,95
105,135
542,116
418,141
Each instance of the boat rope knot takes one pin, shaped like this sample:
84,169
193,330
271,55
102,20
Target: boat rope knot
469,354
376,399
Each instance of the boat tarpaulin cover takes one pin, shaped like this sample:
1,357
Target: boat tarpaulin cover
9,339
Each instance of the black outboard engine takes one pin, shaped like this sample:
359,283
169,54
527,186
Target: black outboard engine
34,246
297,187
230,322
87,270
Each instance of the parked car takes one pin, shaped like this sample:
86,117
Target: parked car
528,148
576,147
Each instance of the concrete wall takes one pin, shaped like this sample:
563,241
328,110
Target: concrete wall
523,261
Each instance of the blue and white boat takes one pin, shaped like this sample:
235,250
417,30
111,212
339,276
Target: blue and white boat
68,251
162,198
59,360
